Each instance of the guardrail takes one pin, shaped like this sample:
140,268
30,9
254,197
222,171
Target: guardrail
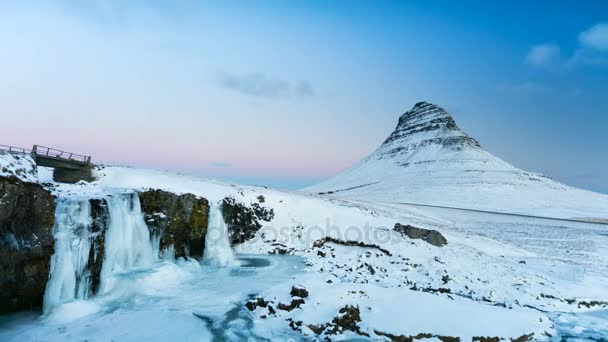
54,153
13,149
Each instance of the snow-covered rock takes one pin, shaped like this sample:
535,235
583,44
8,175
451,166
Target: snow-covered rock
19,165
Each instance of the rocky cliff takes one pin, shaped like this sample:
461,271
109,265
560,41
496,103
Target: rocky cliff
26,243
178,220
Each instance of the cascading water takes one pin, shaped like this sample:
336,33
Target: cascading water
217,245
127,242
68,277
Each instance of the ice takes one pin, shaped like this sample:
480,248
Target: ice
127,240
68,278
218,251
165,301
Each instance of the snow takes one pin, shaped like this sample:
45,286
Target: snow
18,165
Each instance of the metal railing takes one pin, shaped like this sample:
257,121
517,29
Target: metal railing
54,153
13,149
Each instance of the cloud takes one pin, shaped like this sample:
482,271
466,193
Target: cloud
588,57
219,164
596,37
303,88
543,54
260,85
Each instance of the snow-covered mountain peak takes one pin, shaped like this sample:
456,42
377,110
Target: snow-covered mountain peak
428,159
425,124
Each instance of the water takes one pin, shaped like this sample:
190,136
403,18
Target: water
69,278
217,244
181,300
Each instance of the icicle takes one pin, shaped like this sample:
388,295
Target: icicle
217,245
127,242
68,277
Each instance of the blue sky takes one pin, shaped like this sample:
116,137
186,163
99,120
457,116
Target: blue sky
286,93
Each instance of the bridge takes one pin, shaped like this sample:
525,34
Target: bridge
67,167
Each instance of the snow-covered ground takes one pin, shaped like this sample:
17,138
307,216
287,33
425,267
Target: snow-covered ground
502,276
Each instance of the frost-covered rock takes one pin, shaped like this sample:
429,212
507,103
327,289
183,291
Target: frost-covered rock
21,166
433,237
244,221
26,243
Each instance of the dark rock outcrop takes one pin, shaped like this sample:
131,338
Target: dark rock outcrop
27,215
100,218
244,221
433,237
421,336
321,242
180,220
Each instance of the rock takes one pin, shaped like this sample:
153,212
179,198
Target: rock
27,215
295,303
256,303
317,329
486,339
244,221
179,220
421,336
433,237
347,319
298,292
100,218
321,242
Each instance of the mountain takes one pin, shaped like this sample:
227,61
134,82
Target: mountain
429,160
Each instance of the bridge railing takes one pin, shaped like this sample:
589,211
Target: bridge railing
54,153
13,149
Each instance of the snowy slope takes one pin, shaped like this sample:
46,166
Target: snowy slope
428,160
18,165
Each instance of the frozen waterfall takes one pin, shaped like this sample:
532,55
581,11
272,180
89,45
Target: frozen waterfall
217,245
127,242
68,277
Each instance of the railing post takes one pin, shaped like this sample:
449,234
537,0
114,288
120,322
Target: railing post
34,149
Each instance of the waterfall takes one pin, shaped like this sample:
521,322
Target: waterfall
127,242
217,245
68,277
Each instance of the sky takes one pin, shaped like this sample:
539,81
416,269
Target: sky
287,93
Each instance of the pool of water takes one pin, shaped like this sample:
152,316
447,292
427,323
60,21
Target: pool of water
181,301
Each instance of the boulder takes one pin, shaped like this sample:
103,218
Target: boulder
27,215
433,237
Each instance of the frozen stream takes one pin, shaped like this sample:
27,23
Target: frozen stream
181,301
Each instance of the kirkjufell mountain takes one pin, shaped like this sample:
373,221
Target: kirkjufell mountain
428,159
